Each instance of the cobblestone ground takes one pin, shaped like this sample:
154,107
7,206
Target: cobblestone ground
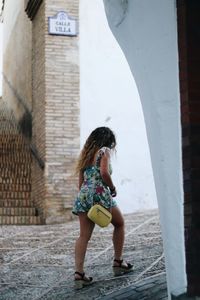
37,262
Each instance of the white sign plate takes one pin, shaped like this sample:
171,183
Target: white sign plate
62,24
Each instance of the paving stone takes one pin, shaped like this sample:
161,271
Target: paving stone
37,262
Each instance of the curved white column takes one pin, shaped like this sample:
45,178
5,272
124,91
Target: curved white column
147,34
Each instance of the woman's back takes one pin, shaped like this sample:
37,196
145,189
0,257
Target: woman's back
93,188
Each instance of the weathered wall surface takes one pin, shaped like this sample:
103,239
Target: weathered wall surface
17,62
1,56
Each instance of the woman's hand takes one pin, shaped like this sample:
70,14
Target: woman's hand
113,192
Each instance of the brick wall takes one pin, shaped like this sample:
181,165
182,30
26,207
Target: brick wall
42,85
16,207
55,113
38,113
62,114
189,64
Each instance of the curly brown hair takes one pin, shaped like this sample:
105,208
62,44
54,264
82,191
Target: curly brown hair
100,137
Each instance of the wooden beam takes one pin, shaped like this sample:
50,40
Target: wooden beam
31,7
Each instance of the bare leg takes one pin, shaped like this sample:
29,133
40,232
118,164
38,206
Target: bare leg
119,266
118,233
86,229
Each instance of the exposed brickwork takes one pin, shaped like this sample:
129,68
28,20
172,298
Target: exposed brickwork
189,49
55,113
38,113
43,88
15,174
62,114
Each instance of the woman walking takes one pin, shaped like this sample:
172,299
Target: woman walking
95,183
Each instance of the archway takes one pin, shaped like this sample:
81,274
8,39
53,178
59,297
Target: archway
147,33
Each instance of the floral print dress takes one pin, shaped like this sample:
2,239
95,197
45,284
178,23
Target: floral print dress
93,189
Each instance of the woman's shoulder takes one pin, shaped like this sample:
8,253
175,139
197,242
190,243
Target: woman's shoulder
101,152
104,150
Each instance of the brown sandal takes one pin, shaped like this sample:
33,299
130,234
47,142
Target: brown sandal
122,269
82,281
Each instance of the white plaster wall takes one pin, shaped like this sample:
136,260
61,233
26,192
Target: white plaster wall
17,56
1,56
147,33
109,97
11,11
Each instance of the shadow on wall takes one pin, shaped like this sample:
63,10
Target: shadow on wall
20,111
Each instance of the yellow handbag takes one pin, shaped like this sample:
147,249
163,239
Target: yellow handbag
99,215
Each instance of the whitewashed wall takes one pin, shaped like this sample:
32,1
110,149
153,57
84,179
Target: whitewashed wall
109,97
10,14
147,33
1,55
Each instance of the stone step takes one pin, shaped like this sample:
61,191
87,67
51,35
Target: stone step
18,151
15,164
17,211
14,180
20,220
6,187
16,206
9,149
9,136
13,167
16,203
14,142
11,171
15,195
14,152
15,157
13,145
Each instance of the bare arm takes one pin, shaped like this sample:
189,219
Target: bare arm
104,171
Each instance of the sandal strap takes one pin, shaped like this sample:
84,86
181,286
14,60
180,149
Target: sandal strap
119,261
80,274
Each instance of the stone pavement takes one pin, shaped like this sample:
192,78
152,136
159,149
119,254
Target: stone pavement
37,262
152,288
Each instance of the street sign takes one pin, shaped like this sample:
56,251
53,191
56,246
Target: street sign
62,24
